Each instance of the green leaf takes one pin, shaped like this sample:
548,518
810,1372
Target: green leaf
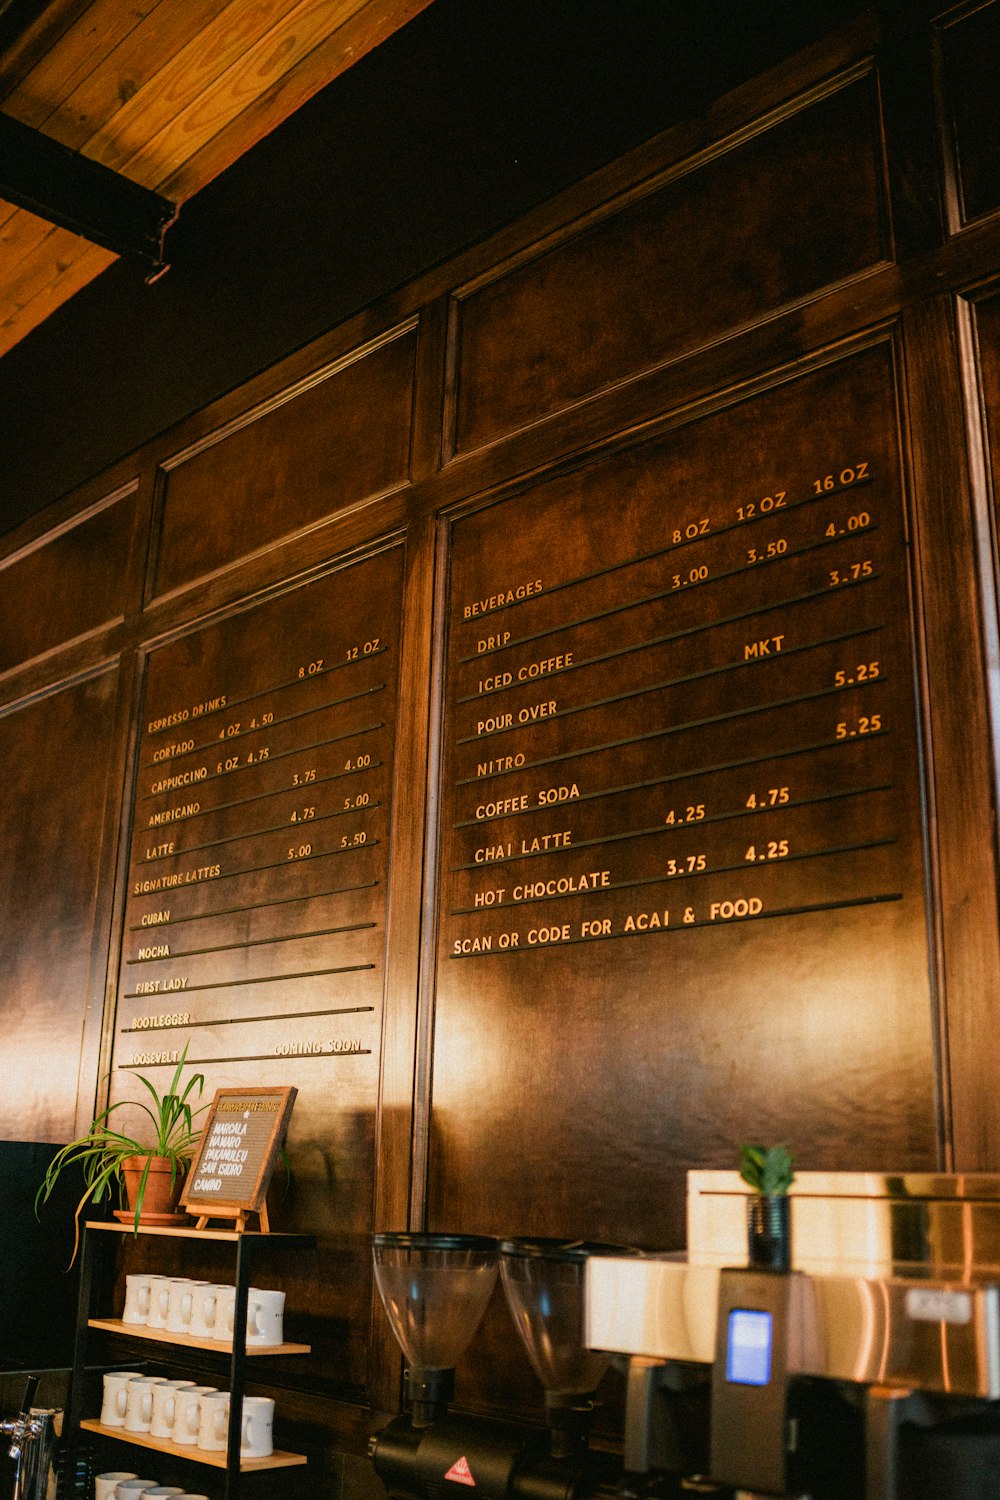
101,1150
767,1169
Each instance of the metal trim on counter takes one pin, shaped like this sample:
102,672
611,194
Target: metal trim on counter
941,1336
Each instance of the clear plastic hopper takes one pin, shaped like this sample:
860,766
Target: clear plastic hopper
434,1288
544,1283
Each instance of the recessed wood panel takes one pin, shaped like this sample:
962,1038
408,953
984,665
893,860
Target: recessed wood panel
341,439
55,755
682,888
969,51
67,587
988,328
255,920
755,228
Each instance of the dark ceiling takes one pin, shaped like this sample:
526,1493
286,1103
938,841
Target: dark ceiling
462,120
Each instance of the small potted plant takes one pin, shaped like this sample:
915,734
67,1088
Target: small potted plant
150,1173
769,1172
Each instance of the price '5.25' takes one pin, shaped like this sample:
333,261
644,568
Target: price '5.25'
849,729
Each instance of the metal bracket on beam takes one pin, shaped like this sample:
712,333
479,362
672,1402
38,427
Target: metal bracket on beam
50,180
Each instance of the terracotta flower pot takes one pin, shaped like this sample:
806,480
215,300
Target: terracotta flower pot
161,1194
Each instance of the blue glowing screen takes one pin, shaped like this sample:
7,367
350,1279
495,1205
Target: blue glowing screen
748,1349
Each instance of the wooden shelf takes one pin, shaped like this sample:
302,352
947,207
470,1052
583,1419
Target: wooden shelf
247,1244
231,1236
186,1341
216,1460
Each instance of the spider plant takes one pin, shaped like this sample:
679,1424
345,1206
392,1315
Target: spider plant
102,1152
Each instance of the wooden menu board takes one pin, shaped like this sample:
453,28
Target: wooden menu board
255,920
682,864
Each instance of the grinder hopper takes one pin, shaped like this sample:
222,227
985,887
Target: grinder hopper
543,1280
434,1288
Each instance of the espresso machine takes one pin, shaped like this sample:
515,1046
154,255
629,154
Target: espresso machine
435,1288
868,1371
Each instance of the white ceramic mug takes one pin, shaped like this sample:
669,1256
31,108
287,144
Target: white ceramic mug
154,1281
136,1299
225,1305
161,1421
139,1405
115,1391
213,1422
265,1317
159,1300
128,1489
204,1305
180,1301
106,1485
162,1489
256,1430
187,1413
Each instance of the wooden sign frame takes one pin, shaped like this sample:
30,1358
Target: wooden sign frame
241,1105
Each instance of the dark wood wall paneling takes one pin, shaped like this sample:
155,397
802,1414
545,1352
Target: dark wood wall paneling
968,42
58,756
342,439
724,241
679,489
69,588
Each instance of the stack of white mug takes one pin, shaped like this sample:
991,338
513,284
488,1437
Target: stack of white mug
130,1487
185,1413
202,1309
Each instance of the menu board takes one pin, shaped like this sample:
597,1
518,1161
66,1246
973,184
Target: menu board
255,919
240,1141
681,798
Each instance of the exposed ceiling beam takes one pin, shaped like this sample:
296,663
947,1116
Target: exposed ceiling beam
60,185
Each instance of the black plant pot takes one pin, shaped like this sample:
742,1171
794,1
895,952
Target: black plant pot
769,1232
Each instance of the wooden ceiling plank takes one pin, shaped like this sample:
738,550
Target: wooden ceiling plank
46,275
164,32
273,57
82,48
16,323
186,76
37,40
364,31
174,92
22,235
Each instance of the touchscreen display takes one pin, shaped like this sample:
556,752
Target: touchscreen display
748,1348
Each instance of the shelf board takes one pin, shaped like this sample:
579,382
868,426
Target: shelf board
186,1341
277,1460
231,1236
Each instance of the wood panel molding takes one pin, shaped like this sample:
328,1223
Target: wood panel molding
68,585
966,43
310,451
538,334
960,751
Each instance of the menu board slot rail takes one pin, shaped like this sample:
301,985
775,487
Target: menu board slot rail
230,984
334,739
199,748
252,833
231,911
284,1015
703,530
685,924
287,937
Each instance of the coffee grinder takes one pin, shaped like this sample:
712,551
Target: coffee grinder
435,1289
